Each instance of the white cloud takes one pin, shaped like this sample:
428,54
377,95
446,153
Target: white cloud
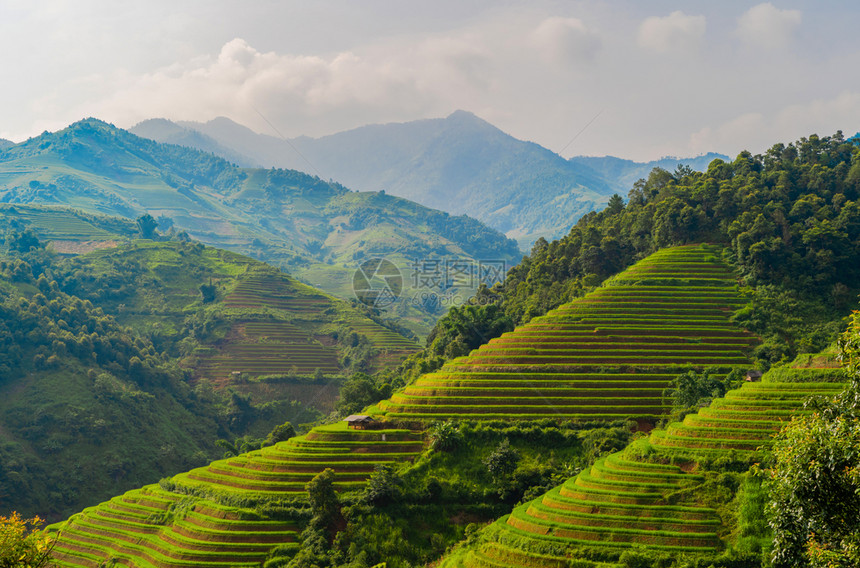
566,40
302,94
748,127
767,26
757,132
675,33
821,116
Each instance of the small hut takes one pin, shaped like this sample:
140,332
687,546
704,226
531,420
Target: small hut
753,376
358,421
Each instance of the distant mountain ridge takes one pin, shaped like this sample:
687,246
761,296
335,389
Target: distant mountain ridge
168,132
460,164
320,231
621,174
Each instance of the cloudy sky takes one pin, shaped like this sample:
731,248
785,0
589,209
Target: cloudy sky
633,79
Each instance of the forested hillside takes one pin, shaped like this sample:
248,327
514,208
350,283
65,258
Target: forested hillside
87,406
790,221
128,363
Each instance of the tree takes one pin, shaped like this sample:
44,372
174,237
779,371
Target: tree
23,241
615,205
691,389
382,487
503,460
208,292
146,226
814,484
280,433
21,546
318,537
359,391
322,497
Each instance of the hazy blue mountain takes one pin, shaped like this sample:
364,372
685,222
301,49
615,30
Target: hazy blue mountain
318,230
621,174
5,143
169,132
460,164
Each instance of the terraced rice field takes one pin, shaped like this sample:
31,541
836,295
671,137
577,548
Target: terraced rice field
56,223
267,348
391,347
628,500
279,347
607,355
151,527
273,291
285,468
131,529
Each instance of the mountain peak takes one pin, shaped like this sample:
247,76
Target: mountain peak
91,122
461,114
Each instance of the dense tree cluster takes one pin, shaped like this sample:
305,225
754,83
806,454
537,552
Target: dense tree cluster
814,484
789,219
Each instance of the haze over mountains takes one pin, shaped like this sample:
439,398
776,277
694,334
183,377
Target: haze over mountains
460,164
319,231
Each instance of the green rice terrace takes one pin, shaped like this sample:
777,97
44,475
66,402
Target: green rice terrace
154,526
299,340
67,230
651,495
608,354
256,320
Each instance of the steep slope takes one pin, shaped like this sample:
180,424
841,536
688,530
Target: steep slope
457,164
253,321
610,353
141,529
318,230
653,496
165,131
68,231
87,406
280,472
115,363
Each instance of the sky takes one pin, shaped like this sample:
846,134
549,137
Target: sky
638,80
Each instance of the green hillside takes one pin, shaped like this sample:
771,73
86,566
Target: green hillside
319,231
667,494
608,354
262,483
255,322
681,495
119,369
67,230
87,406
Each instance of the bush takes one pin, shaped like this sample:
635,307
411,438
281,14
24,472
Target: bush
445,436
